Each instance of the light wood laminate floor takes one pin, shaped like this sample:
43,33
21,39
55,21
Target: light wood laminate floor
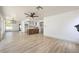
18,42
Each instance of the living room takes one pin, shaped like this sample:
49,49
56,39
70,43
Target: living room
44,28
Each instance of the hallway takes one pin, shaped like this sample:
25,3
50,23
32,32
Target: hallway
17,42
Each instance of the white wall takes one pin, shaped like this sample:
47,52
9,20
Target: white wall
61,26
2,23
2,27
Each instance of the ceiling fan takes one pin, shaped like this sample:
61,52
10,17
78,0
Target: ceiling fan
32,14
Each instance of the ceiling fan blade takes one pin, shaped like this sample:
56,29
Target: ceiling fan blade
26,14
35,16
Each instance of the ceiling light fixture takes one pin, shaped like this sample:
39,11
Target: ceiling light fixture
39,7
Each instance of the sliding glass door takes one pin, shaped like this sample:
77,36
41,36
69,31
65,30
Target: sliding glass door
12,25
8,25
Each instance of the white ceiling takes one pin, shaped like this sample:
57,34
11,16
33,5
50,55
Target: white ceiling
47,10
53,10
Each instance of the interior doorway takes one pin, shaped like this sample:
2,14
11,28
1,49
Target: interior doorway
42,27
